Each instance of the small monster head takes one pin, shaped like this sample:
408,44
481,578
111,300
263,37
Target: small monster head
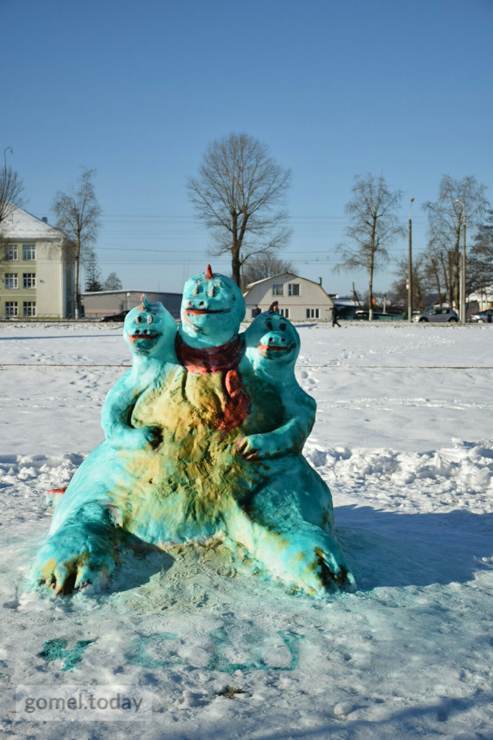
272,343
212,309
149,329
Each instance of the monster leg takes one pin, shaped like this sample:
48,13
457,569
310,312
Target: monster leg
288,528
83,550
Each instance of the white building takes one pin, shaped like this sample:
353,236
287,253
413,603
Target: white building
483,297
299,299
36,269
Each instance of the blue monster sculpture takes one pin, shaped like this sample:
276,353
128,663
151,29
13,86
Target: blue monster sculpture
204,438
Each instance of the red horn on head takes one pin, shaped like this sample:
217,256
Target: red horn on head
208,273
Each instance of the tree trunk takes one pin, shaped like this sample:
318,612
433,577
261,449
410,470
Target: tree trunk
439,287
76,282
371,266
451,278
370,286
235,262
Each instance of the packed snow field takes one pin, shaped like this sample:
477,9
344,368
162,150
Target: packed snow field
404,438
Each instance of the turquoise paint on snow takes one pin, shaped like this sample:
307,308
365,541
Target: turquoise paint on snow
219,662
57,650
139,654
212,446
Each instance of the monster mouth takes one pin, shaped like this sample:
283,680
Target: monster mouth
136,337
266,348
201,311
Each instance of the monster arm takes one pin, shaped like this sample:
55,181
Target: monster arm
291,435
116,414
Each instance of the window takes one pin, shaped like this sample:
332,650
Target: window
29,308
11,280
277,289
11,252
10,309
312,313
29,280
284,312
28,252
293,289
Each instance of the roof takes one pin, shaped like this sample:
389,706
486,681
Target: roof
123,291
287,274
21,224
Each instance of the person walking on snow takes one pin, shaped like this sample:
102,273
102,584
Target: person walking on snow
335,316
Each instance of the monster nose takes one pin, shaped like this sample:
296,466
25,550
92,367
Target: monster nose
275,340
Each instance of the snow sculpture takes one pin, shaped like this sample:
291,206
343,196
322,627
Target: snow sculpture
204,438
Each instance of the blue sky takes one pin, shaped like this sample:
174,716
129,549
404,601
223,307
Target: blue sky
137,90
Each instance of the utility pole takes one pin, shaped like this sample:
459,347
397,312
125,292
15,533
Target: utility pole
462,263
410,265
463,276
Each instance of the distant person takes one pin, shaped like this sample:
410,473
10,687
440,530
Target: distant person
256,311
274,307
335,316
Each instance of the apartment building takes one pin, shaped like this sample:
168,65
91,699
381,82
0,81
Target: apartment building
36,269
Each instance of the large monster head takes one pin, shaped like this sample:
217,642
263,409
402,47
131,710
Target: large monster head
150,330
212,309
272,345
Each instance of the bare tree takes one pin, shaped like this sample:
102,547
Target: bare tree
398,290
112,282
11,188
78,215
459,201
263,266
237,194
374,226
480,262
435,275
93,273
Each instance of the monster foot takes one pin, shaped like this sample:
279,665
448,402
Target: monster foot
78,554
309,562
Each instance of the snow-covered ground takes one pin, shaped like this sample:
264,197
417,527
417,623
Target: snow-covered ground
404,437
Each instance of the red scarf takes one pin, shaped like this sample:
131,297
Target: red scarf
224,359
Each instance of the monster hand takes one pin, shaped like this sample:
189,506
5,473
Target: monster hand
137,439
245,448
261,446
82,552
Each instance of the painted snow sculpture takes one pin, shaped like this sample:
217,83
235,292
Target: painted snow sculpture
290,527
84,541
205,440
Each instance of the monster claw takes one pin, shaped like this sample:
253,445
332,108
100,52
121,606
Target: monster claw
253,455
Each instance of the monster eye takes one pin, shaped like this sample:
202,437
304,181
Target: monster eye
268,324
149,318
140,319
211,291
196,289
282,326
